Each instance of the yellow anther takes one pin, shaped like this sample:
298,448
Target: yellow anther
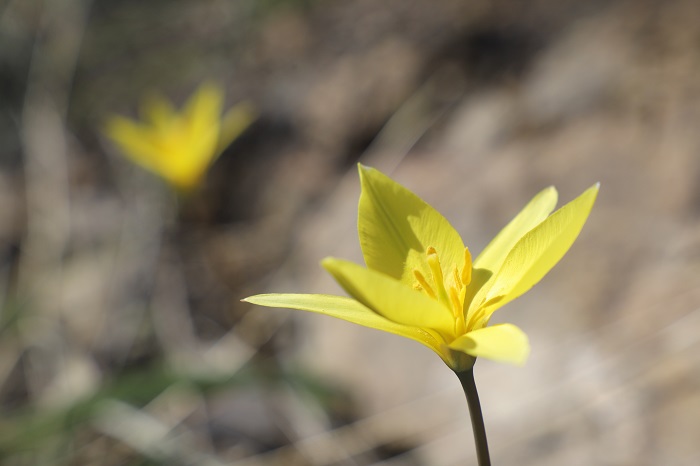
423,284
467,270
434,264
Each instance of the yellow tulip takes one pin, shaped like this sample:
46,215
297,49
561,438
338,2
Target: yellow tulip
180,146
421,283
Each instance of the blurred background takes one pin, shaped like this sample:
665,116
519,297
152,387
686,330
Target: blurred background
122,337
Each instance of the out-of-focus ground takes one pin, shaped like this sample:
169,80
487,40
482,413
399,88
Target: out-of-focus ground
122,338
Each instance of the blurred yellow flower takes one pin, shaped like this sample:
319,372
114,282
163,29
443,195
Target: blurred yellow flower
421,283
180,146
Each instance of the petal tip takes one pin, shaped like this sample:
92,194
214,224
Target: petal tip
251,299
592,191
328,262
364,170
551,193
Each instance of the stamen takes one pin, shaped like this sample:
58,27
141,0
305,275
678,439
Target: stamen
434,264
456,278
423,283
475,319
458,312
467,270
436,269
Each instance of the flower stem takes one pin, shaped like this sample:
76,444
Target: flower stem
469,386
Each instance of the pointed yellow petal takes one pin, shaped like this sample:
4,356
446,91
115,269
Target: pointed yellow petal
134,140
204,107
158,111
396,227
202,122
539,250
502,342
235,121
390,298
532,215
349,310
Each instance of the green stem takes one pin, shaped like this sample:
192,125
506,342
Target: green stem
482,446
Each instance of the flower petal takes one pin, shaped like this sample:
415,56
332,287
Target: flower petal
134,140
537,252
202,121
349,310
389,297
205,104
502,342
532,215
158,112
234,122
396,227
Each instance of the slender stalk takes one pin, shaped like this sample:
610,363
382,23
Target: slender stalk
469,386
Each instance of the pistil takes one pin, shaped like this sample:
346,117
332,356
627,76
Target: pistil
451,293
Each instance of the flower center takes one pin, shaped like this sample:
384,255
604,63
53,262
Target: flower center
449,289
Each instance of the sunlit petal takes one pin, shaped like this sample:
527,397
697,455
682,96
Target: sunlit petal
539,250
396,227
390,297
350,310
502,342
529,217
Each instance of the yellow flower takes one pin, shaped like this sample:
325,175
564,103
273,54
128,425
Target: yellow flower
180,146
421,283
